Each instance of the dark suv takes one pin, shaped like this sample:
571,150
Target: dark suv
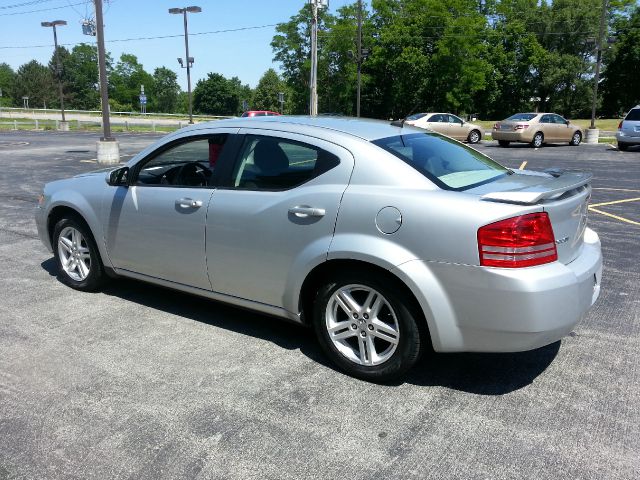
629,129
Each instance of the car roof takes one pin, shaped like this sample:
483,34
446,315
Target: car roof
366,129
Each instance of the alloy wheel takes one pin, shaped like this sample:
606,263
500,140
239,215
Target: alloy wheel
576,139
474,137
362,325
537,140
75,257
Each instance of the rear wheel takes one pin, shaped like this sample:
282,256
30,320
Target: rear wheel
366,327
622,147
576,139
77,256
474,136
538,140
503,143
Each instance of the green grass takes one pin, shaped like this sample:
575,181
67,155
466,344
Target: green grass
29,124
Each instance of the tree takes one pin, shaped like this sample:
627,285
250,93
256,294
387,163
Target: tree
217,95
265,96
125,82
35,81
80,74
7,83
166,90
621,84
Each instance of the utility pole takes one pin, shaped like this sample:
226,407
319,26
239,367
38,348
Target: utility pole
188,59
359,56
107,147
63,125
603,18
313,80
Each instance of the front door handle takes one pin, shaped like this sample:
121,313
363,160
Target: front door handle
188,203
304,211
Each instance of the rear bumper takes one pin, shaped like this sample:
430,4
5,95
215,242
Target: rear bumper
508,310
512,136
621,137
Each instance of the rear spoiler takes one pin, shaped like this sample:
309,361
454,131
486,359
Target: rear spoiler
559,183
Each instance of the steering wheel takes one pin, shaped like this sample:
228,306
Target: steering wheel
192,174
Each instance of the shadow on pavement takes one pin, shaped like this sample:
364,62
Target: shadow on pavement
478,373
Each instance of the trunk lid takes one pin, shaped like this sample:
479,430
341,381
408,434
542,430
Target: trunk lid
563,195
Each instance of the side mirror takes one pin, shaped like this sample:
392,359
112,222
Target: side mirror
567,122
118,177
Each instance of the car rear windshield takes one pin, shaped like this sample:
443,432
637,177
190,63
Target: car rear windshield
447,163
522,117
416,116
633,115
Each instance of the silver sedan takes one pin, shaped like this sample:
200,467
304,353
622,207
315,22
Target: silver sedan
388,240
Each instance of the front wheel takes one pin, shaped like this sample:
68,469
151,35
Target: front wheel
77,256
366,328
538,140
474,136
576,139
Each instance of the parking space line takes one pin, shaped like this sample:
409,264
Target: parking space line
622,219
615,202
616,189
524,164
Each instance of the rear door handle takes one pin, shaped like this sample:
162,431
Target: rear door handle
188,203
303,211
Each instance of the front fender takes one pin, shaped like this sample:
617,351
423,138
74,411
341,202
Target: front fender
88,210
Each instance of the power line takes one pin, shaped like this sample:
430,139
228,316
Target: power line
24,4
147,38
42,9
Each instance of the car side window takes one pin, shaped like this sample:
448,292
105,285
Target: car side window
187,164
454,119
559,120
270,163
546,119
435,118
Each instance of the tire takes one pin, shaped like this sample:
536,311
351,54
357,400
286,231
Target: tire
623,147
77,256
576,139
538,140
375,347
474,136
504,143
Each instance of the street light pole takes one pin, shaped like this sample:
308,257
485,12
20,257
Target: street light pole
603,17
108,150
188,59
57,60
313,81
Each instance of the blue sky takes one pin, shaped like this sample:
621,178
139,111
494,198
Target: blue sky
246,54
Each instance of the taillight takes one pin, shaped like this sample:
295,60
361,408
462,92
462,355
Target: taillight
521,127
522,241
620,125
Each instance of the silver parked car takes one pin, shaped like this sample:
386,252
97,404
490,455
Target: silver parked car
628,133
388,240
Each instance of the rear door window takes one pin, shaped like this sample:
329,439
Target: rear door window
444,161
271,163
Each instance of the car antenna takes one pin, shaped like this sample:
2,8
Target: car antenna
400,123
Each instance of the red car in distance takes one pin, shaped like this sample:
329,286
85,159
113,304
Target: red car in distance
259,113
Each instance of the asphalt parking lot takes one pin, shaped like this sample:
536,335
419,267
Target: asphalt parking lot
140,382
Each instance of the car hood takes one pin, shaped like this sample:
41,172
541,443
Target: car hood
95,173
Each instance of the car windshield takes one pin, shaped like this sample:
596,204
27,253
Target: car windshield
447,163
633,115
522,117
